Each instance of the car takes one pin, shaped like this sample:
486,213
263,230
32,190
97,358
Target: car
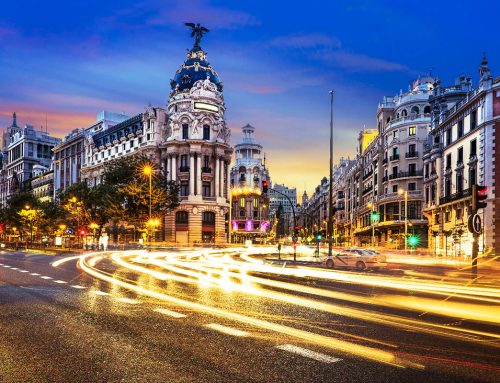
360,259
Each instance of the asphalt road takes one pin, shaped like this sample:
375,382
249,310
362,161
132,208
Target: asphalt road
63,325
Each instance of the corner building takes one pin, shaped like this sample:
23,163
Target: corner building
197,154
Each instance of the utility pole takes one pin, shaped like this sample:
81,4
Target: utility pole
330,194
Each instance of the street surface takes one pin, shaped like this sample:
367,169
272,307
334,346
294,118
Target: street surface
226,316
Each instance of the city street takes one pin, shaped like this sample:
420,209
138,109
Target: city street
226,316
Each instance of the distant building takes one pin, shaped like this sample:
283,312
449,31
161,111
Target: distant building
250,207
26,152
278,203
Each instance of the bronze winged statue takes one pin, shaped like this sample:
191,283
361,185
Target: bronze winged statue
197,31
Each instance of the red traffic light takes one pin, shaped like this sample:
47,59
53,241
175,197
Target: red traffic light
479,194
265,186
482,191
83,232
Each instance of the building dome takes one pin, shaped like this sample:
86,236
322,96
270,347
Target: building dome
195,68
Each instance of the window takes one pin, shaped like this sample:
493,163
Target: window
184,162
242,213
433,193
412,148
412,169
448,137
182,218
426,195
184,188
472,176
448,161
255,202
206,161
426,170
395,171
460,182
140,140
205,189
473,120
206,132
185,132
412,131
447,216
460,155
242,202
394,188
447,187
460,128
395,134
459,214
148,136
412,186
208,218
436,219
473,147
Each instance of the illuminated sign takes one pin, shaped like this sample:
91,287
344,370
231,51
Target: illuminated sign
205,106
249,225
235,225
264,225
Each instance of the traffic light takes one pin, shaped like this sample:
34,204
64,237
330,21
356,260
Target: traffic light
479,194
318,236
297,228
265,186
374,216
413,240
83,232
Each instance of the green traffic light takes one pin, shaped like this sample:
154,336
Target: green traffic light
318,237
375,216
413,241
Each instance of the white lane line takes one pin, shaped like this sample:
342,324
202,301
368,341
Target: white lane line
23,271
59,281
6,266
14,268
34,274
308,353
99,292
78,287
226,330
129,301
170,313
45,277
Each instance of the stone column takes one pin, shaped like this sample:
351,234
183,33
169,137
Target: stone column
198,174
168,162
173,166
216,177
191,174
226,187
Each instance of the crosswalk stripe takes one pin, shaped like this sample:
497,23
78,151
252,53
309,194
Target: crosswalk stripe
78,287
226,330
45,277
170,313
129,301
59,281
308,353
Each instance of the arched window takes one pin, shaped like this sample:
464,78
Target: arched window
415,110
181,218
208,218
206,132
404,113
427,109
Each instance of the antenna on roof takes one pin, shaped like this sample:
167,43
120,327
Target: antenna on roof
46,125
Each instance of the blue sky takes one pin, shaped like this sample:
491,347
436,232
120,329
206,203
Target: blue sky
67,60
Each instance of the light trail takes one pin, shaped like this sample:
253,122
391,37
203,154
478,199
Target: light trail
320,340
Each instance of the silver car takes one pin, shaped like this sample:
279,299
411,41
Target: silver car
360,259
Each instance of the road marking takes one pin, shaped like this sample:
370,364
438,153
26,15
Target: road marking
308,353
170,313
45,277
34,274
78,287
226,330
14,268
6,266
99,292
23,271
129,301
59,281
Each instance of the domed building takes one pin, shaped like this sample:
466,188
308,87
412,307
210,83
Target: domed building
196,151
249,205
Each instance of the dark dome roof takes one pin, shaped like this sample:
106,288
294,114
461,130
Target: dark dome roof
196,67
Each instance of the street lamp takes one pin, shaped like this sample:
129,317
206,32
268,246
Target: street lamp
330,191
148,171
405,193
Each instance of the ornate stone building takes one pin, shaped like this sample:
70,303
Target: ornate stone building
196,152
250,207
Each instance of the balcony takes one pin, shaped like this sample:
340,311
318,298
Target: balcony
394,157
206,169
411,154
367,175
456,196
417,173
367,189
184,169
209,198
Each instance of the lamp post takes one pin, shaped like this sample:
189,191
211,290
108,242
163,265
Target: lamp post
330,191
405,192
148,171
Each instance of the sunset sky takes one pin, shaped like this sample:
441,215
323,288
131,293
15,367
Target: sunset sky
68,60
